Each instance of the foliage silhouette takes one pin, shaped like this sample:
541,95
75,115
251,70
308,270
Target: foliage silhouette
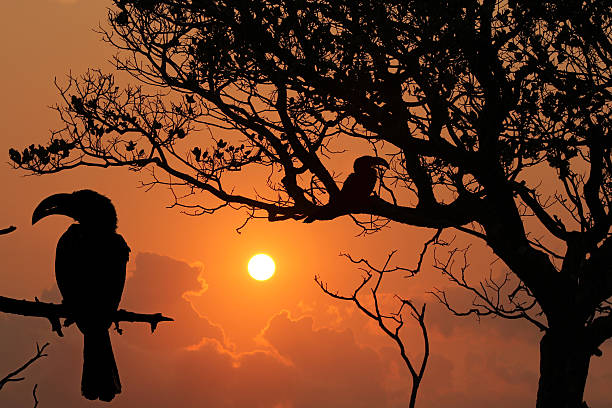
494,116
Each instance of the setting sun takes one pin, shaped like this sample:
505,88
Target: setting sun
261,267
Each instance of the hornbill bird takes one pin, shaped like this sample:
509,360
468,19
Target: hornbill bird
357,187
90,266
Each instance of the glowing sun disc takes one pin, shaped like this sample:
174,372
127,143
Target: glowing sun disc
261,267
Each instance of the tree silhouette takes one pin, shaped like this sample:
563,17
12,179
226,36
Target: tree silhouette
390,323
494,117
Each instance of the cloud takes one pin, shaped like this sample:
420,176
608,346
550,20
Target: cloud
328,362
322,353
189,363
302,367
207,376
160,284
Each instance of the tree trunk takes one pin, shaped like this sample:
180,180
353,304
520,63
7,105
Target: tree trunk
564,366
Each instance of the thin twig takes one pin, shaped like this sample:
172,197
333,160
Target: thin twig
34,395
13,376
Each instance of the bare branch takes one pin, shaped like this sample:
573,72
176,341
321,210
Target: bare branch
492,296
390,324
34,395
13,376
426,245
53,312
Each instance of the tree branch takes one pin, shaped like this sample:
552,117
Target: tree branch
53,312
600,330
492,296
390,323
554,226
12,377
34,395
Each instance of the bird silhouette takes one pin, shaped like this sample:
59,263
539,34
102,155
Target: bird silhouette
90,267
357,187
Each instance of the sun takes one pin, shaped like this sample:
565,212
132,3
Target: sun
261,267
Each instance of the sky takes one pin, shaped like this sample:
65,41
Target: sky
235,342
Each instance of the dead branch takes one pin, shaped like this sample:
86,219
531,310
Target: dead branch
501,296
435,240
53,312
13,376
391,323
34,395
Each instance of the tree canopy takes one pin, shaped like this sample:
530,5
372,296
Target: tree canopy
493,115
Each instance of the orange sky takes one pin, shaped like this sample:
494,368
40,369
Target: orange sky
236,342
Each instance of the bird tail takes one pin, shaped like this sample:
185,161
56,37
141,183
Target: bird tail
100,378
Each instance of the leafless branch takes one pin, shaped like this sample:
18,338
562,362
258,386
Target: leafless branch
434,240
53,312
391,323
34,395
14,375
494,296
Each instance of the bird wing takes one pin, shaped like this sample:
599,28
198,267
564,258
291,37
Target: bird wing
358,186
90,269
350,186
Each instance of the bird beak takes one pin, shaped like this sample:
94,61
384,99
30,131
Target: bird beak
379,161
55,204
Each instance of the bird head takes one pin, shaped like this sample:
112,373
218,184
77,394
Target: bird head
87,207
367,162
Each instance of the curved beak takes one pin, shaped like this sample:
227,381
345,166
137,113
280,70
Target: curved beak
379,161
55,204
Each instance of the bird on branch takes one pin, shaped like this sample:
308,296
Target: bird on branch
90,270
357,188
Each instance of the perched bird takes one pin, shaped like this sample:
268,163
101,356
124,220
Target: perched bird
357,187
90,264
